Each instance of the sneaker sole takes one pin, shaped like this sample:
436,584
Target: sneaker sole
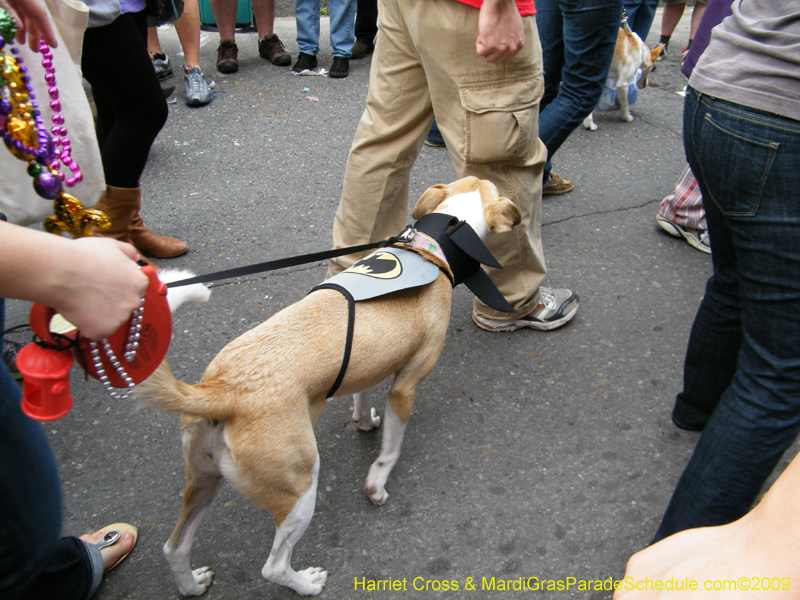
197,103
674,231
668,226
515,325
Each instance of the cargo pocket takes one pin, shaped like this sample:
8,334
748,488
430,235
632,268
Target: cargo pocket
501,119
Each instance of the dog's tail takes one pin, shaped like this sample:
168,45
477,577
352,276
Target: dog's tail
162,391
196,293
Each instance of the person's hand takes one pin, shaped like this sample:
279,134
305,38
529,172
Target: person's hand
500,31
100,287
33,22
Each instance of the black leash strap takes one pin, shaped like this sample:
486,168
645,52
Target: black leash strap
280,263
351,322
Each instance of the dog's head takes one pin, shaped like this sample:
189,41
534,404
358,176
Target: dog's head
649,58
473,200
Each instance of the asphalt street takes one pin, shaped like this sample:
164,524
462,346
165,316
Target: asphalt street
529,454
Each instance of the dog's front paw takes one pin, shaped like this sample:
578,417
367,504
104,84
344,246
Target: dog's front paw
314,579
202,578
369,423
376,493
627,118
588,123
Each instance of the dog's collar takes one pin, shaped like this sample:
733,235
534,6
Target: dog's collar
464,252
422,241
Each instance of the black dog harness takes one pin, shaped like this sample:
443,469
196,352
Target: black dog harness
464,252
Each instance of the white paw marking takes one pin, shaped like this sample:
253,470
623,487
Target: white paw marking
315,578
369,423
377,495
202,579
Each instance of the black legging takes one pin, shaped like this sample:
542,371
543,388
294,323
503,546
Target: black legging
131,108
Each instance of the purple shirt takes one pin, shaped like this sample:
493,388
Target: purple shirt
716,10
131,6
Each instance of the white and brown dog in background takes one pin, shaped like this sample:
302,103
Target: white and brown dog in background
251,417
630,55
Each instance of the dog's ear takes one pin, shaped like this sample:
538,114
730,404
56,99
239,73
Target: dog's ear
502,215
430,199
655,52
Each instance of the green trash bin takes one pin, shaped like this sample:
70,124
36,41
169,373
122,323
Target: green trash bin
244,14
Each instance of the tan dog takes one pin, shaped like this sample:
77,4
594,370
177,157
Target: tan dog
630,55
251,417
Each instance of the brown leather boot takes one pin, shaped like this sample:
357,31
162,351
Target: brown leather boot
122,207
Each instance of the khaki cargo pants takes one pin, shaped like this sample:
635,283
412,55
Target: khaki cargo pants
425,64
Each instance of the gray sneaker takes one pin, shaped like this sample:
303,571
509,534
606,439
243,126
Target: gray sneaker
555,308
197,92
162,65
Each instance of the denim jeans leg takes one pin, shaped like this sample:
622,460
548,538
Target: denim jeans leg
745,161
34,562
711,356
69,574
306,15
640,15
343,14
578,39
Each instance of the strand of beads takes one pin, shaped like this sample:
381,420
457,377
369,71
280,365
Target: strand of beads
58,131
135,332
97,361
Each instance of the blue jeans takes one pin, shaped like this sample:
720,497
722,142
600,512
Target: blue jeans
742,372
640,14
342,12
34,563
578,39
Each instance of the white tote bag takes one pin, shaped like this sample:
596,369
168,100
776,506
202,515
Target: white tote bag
18,200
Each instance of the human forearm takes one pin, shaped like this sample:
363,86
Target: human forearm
92,282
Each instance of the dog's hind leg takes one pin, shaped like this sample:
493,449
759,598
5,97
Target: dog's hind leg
203,481
393,431
364,415
278,568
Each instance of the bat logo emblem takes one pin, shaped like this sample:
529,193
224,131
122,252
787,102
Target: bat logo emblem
381,265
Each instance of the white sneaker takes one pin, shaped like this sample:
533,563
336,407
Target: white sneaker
697,238
556,308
